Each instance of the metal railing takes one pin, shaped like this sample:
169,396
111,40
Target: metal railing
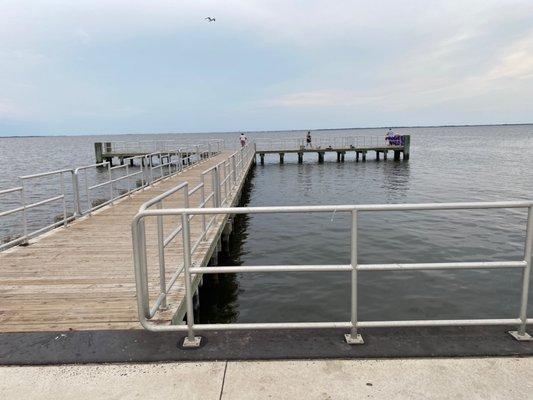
94,186
25,206
359,142
157,146
353,337
216,186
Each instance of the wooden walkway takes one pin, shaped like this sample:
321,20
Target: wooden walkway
81,277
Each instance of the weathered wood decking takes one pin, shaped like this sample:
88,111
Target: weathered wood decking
81,277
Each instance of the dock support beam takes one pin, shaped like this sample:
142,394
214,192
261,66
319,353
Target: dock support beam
396,155
262,157
364,155
281,157
342,156
377,155
320,157
385,154
98,152
406,146
300,158
338,156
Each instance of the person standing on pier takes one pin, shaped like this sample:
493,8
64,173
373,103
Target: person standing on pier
308,140
243,139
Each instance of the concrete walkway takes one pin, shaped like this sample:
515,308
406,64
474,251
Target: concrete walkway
457,378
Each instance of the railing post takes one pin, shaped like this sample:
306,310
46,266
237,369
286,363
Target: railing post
24,214
110,182
217,186
234,166
521,333
161,246
190,340
353,337
202,192
62,186
76,192
139,260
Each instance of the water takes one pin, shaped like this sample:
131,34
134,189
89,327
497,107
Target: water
447,164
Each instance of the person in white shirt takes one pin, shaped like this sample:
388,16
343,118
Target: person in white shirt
243,139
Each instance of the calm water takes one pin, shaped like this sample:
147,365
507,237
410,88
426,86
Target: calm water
447,164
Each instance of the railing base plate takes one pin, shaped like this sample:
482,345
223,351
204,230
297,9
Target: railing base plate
357,339
191,343
526,337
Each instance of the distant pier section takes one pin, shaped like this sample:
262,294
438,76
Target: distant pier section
122,150
358,146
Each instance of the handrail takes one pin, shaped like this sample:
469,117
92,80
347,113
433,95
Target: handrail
353,337
215,194
120,181
325,143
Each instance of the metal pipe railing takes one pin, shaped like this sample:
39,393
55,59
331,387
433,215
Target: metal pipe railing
353,337
345,142
214,194
119,181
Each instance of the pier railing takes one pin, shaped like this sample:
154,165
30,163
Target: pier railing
158,146
82,190
353,336
215,188
344,142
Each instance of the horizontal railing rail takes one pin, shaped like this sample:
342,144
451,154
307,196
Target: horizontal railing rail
216,186
157,146
353,337
92,187
345,142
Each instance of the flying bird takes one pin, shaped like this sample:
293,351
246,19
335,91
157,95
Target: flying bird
210,19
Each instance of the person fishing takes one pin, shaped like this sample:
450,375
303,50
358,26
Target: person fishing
308,140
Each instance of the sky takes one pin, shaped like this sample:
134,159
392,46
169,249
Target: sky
125,66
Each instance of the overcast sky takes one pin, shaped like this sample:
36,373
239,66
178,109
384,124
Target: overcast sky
74,67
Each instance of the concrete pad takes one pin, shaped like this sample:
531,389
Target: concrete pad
117,381
482,378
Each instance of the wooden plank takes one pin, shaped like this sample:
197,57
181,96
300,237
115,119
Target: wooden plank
81,277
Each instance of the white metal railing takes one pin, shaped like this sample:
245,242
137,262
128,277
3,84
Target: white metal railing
216,187
94,186
157,146
353,337
345,142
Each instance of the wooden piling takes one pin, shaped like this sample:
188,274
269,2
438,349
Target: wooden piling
396,155
364,155
281,157
320,157
98,152
300,158
262,157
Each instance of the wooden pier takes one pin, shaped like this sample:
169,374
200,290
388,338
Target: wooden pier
342,152
81,277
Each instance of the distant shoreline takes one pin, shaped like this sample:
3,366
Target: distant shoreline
273,131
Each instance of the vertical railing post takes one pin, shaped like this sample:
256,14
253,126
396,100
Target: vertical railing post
234,165
76,192
110,176
190,340
521,333
162,269
353,337
24,214
202,193
217,187
62,185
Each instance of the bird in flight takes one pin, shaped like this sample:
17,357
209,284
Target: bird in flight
210,19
